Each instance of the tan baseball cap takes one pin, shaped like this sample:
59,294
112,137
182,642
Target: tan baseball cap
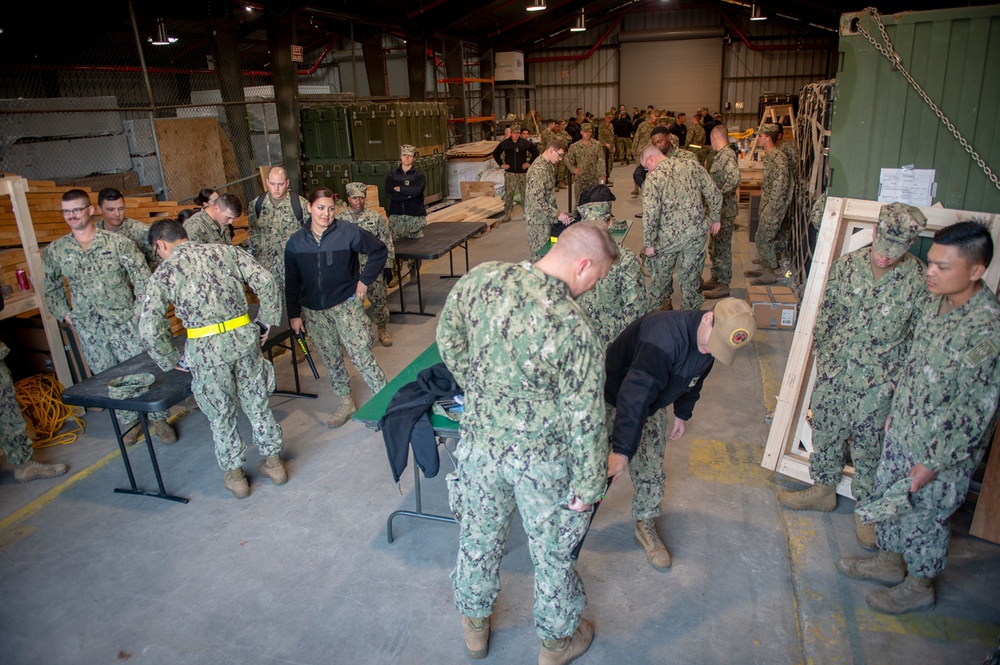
733,329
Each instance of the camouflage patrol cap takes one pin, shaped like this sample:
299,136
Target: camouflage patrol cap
599,211
515,128
130,385
407,149
769,129
733,329
897,228
586,127
356,189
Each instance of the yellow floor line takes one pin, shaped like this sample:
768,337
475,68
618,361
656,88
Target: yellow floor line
30,509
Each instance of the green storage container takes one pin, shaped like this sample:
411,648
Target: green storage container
332,175
325,134
378,129
374,173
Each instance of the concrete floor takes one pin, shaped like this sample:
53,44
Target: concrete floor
303,573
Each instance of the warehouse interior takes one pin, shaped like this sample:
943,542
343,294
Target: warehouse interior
159,101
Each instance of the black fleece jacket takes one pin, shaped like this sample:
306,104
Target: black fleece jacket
321,275
655,362
409,200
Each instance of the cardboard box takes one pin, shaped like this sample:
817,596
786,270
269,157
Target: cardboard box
509,66
774,307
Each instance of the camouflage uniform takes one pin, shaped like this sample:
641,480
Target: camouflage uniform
205,283
641,138
589,158
783,240
203,229
606,134
725,174
532,430
344,323
270,232
942,411
862,335
138,233
105,281
378,226
540,209
646,466
563,136
674,224
14,440
696,135
623,147
774,199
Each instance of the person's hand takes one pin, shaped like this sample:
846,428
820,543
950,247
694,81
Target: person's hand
361,291
617,463
68,319
182,366
887,419
715,227
678,429
505,166
578,506
650,251
265,331
296,325
526,165
396,188
564,218
577,171
921,476
387,274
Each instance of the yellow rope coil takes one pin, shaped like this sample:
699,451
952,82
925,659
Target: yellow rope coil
41,404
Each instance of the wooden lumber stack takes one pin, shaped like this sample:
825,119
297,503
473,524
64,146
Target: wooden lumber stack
480,149
478,209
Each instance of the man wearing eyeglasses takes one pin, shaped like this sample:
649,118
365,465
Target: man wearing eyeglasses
540,208
107,274
211,225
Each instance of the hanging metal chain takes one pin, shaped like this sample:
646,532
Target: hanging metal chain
897,64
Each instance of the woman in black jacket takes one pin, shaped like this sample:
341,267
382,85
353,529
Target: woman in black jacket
325,291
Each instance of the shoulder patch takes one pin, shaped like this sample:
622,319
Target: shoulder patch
981,352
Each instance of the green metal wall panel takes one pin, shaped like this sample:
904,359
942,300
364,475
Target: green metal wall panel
880,121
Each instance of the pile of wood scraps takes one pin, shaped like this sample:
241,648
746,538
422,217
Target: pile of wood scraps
476,149
478,209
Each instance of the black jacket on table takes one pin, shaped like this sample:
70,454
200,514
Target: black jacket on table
409,200
515,154
655,362
321,275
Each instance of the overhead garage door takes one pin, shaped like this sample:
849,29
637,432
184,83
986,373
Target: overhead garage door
677,75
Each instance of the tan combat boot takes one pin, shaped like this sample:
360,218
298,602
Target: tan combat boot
709,285
343,413
477,636
667,305
910,595
236,482
567,649
865,533
32,470
162,429
720,291
384,336
885,567
818,497
648,539
766,279
273,468
133,433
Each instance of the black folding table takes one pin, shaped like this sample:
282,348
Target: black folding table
439,239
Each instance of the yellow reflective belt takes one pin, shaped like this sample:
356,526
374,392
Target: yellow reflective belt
216,328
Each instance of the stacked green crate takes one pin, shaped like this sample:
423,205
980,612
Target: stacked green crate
326,148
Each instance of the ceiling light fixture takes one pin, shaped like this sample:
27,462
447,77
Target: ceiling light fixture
581,23
536,6
161,39
757,12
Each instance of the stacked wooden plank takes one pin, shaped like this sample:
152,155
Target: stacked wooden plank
476,149
478,209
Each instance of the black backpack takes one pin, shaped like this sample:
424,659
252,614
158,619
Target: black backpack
296,205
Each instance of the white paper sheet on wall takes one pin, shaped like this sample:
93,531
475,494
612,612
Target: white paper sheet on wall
907,185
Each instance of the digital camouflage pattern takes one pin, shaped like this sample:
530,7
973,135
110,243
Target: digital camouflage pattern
788,149
407,226
560,168
138,233
270,233
205,283
623,148
371,221
14,439
606,135
646,466
674,198
513,183
943,409
540,208
203,229
725,174
589,157
641,138
862,336
696,135
775,195
345,324
105,282
618,299
532,433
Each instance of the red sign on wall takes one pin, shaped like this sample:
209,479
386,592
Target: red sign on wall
296,53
